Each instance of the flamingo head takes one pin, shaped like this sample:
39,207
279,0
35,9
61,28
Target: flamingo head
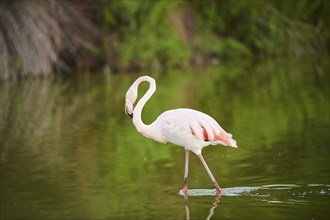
131,96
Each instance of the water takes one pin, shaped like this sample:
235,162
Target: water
68,151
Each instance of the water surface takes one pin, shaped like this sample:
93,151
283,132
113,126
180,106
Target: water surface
68,151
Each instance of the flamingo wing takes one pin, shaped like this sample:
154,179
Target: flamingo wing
187,127
210,131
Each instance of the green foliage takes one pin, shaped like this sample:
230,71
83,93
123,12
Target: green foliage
260,25
161,34
146,39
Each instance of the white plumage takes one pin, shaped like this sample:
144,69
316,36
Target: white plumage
190,129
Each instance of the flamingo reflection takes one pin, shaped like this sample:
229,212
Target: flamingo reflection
211,212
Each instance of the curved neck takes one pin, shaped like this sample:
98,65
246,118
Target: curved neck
139,106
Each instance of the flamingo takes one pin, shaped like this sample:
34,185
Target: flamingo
184,127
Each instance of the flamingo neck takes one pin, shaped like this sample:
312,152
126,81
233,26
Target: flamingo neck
140,126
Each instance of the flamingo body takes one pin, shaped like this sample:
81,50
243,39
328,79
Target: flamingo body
190,129
184,127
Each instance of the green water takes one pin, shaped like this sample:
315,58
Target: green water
68,151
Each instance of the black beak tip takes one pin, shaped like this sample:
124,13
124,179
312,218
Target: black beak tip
129,114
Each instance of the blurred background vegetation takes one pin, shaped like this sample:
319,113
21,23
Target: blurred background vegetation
42,38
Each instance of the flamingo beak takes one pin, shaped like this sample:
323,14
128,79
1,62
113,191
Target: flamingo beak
128,113
129,109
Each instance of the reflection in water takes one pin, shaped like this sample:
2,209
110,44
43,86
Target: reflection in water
214,205
187,206
211,212
292,194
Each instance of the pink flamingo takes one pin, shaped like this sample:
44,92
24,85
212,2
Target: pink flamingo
185,127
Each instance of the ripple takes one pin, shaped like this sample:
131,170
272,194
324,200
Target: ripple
234,191
271,190
289,201
240,191
199,192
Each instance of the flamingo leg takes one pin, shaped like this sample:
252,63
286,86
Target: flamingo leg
210,174
186,165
